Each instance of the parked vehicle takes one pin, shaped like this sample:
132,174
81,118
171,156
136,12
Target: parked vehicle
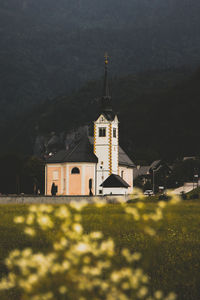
148,193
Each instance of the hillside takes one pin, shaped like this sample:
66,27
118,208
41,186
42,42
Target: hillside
158,112
51,48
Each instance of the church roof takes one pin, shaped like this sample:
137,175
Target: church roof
109,115
82,151
115,181
124,160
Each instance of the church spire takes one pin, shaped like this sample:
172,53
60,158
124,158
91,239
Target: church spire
106,86
106,99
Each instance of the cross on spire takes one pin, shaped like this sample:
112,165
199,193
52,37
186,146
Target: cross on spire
106,58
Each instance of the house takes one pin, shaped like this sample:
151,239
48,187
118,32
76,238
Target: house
93,165
157,173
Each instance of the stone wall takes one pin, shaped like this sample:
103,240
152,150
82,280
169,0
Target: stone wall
60,199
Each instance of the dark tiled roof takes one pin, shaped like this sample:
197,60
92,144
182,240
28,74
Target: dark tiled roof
81,152
109,115
155,164
124,160
115,181
142,171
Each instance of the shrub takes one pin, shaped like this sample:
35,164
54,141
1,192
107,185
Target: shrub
183,196
194,196
164,197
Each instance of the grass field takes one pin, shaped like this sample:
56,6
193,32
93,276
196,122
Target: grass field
171,258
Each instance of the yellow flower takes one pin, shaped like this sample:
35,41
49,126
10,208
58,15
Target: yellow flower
171,296
96,235
115,277
27,252
65,265
140,205
158,295
82,247
142,292
45,222
15,253
125,286
30,219
149,231
29,231
63,242
62,289
162,204
78,205
19,220
33,208
78,228
62,212
145,217
32,279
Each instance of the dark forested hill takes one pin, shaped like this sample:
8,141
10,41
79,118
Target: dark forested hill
158,113
49,48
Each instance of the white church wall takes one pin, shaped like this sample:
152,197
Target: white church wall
106,149
115,191
115,147
101,150
127,174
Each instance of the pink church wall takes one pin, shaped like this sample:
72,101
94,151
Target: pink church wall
50,170
89,174
64,180
78,184
75,181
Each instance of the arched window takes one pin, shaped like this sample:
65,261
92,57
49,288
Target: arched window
75,171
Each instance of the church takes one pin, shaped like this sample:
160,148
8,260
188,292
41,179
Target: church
94,165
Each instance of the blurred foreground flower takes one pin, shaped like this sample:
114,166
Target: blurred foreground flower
78,265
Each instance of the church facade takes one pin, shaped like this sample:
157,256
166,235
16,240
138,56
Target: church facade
94,165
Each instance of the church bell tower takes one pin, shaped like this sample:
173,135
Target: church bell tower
106,136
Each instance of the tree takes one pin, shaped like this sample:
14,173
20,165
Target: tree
33,175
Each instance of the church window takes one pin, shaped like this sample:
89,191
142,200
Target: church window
75,171
122,174
55,175
114,132
102,131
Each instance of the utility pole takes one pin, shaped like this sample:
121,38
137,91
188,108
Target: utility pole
153,182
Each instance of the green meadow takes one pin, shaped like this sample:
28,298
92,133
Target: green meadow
171,258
